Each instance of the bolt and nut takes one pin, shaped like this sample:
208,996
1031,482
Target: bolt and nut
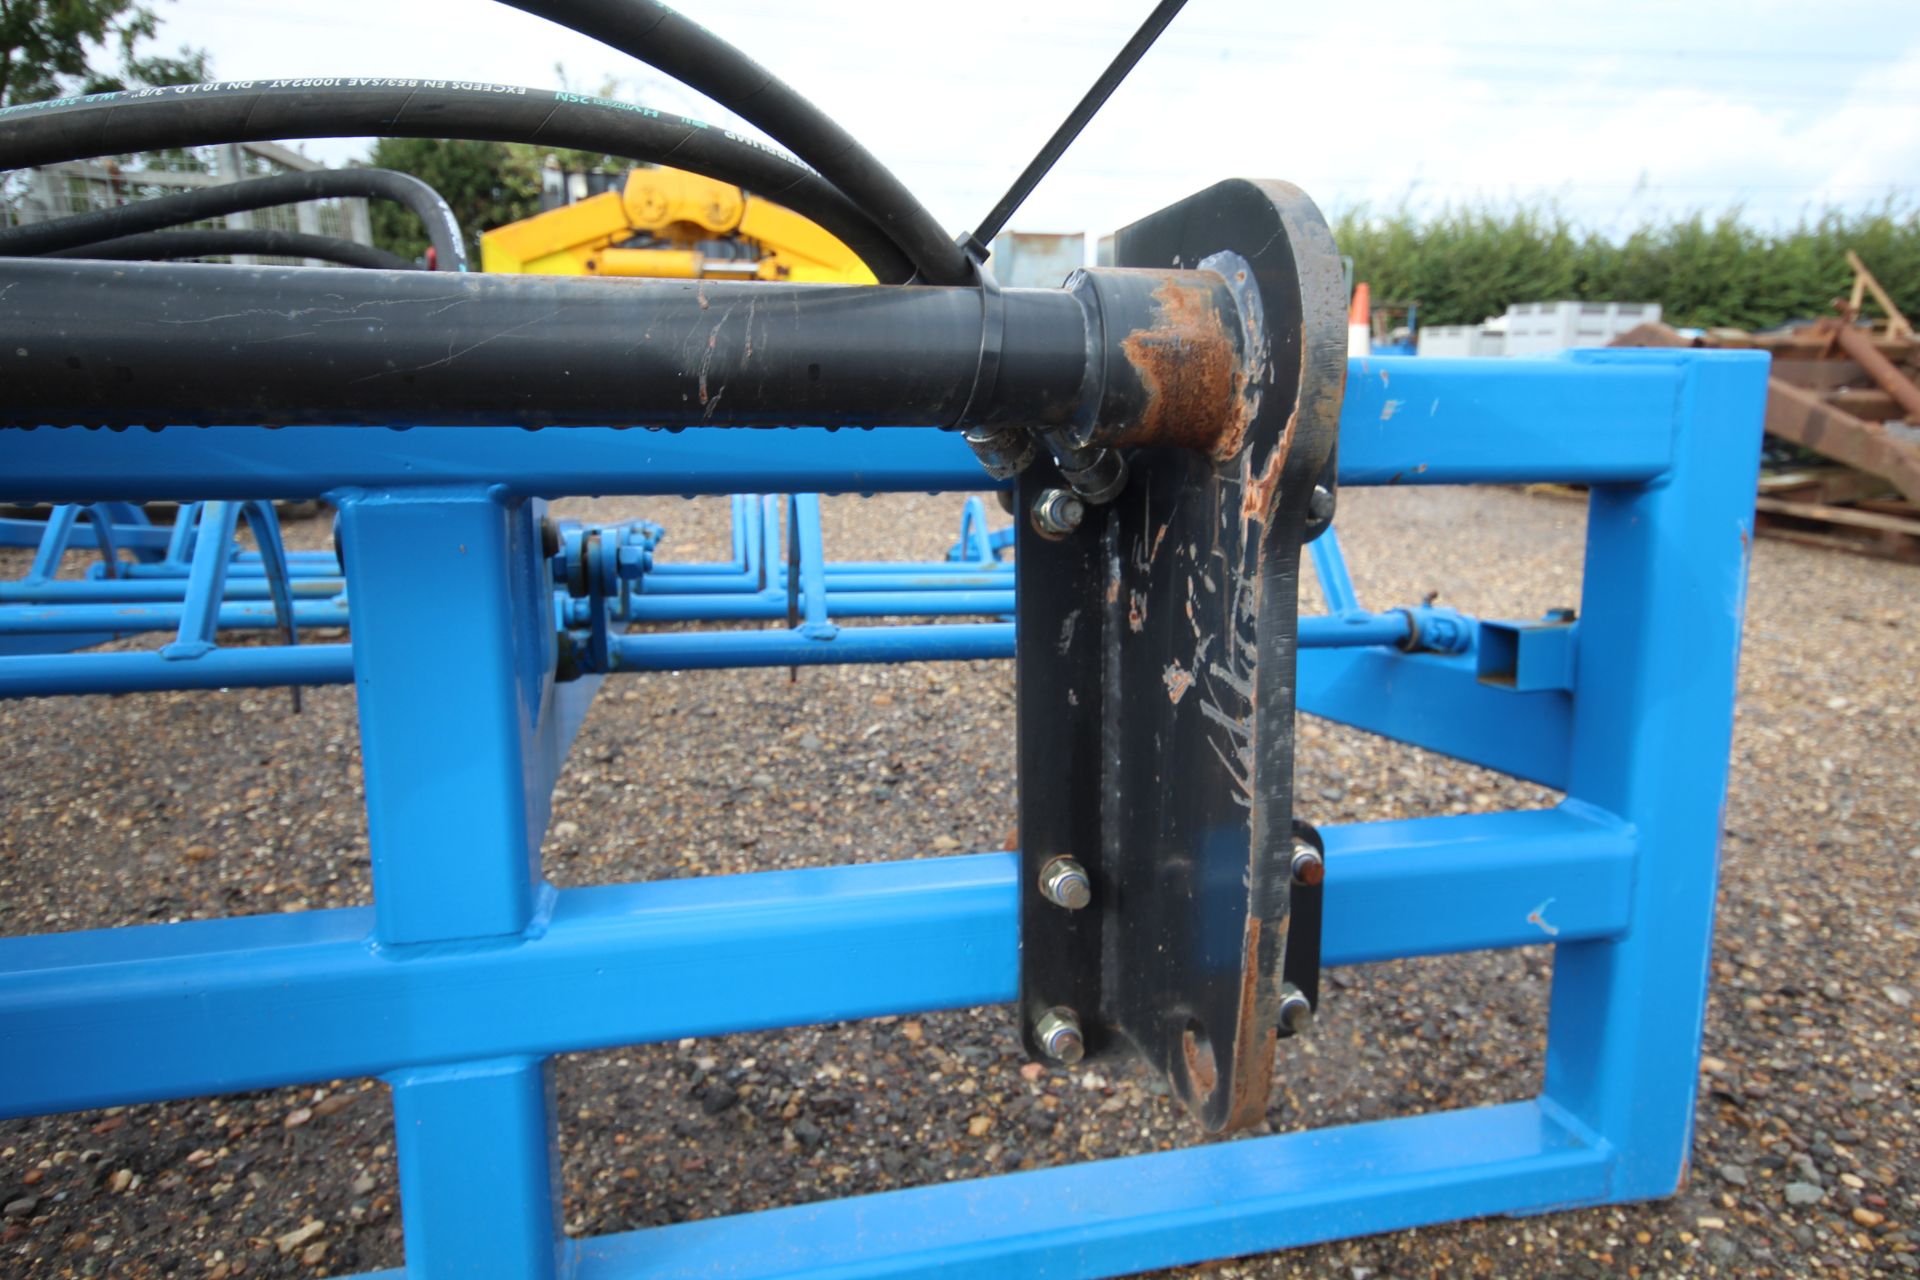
1057,512
633,560
1296,1011
1058,1034
1065,883
1309,867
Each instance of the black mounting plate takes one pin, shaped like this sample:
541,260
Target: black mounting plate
1155,670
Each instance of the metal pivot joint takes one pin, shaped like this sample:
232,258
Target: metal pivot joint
1155,650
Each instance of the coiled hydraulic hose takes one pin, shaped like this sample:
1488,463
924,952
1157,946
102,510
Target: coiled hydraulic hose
663,38
265,241
257,110
443,230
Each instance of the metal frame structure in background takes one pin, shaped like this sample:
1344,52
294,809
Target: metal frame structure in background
609,572
469,971
77,186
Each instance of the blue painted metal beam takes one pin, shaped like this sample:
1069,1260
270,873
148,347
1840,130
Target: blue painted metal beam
1535,750
125,1015
171,590
1663,594
266,666
912,642
1115,1217
308,462
1413,420
42,619
856,604
1438,702
1406,421
15,532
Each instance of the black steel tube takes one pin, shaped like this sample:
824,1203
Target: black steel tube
94,226
217,241
155,344
687,51
36,133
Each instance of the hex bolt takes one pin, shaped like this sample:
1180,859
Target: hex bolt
1296,1011
1065,883
1320,504
1058,1032
1309,868
1057,512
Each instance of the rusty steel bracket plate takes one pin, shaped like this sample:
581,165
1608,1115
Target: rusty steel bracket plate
1155,674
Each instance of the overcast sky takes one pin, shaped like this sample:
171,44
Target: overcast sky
1618,110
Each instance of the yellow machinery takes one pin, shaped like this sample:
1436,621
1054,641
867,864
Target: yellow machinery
675,225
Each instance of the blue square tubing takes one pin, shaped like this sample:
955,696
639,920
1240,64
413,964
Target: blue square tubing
470,971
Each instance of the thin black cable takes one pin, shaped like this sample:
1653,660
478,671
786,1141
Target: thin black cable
663,38
1096,97
38,133
223,241
443,229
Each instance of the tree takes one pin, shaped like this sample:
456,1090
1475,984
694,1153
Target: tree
54,47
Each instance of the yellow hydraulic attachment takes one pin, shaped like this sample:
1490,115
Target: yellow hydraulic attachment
674,225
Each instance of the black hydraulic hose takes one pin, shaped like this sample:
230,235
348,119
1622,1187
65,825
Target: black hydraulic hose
443,229
663,38
210,242
36,133
1095,98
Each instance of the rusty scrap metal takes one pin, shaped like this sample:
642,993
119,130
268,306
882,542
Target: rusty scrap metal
1860,345
1806,418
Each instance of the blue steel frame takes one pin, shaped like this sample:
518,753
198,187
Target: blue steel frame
203,584
469,970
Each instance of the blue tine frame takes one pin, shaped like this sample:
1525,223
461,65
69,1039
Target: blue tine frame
470,971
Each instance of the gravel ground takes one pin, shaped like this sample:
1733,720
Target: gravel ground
120,811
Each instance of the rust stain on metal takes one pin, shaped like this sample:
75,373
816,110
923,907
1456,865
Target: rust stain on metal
1253,1066
1202,1070
1189,368
1257,492
1178,680
1136,610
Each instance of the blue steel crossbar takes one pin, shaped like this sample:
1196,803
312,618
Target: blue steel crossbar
302,997
469,971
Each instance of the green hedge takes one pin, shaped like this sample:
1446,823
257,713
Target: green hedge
1464,265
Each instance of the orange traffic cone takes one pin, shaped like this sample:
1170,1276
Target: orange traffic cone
1360,323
